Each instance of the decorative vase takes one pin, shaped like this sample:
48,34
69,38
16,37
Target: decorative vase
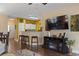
70,51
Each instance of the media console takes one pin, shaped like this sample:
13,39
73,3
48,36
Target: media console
55,43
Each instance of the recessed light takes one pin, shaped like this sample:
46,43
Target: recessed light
34,18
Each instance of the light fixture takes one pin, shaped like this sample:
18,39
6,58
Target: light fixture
44,3
29,3
34,18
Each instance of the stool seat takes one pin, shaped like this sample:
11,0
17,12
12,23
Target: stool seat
27,39
34,36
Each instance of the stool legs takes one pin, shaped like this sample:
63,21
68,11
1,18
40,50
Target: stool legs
27,42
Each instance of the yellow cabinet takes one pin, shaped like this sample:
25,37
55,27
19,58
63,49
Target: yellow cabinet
26,21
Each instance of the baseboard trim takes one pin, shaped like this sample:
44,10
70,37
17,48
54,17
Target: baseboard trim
75,51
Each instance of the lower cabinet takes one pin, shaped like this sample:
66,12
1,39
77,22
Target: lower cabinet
57,44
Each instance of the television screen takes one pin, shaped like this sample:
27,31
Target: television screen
60,22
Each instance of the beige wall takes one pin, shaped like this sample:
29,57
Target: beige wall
63,11
11,22
3,24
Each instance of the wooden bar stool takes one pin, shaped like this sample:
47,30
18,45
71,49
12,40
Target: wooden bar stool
1,33
34,39
20,44
26,40
21,41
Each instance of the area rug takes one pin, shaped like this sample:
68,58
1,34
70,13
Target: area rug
8,54
23,52
26,52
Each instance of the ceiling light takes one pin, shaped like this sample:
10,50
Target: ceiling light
29,3
44,3
32,17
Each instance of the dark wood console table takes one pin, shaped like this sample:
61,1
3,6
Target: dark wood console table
55,43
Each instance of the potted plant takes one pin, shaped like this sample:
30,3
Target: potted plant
70,44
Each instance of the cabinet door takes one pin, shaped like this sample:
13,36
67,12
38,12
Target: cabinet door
21,27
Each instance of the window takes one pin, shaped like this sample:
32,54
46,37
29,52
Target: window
30,26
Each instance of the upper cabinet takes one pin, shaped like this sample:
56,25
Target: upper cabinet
23,25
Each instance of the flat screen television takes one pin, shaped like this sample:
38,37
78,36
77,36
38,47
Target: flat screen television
59,22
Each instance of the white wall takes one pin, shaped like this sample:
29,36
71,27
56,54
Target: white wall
3,24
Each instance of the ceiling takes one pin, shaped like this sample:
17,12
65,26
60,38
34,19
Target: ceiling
24,10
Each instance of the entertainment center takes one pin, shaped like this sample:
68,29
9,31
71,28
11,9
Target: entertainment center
56,43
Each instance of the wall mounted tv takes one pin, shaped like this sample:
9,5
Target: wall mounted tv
59,22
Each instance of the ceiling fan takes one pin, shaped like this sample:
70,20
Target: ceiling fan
32,3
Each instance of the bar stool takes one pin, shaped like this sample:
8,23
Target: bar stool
34,39
21,41
1,33
26,40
